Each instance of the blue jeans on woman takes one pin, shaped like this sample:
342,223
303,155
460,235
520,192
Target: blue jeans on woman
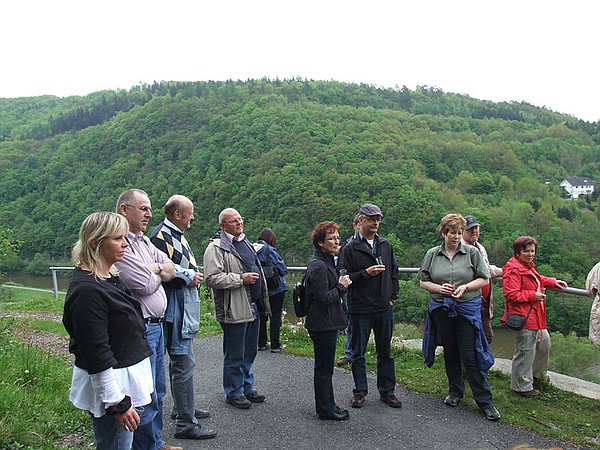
240,346
109,435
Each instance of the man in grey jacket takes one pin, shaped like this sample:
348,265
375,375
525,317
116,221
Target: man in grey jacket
239,290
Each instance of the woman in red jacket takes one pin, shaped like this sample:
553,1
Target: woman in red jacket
524,295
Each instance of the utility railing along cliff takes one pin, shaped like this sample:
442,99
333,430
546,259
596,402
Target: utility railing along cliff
569,290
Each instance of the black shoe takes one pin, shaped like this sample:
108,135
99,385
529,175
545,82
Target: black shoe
255,397
391,400
335,415
239,402
452,400
340,410
262,348
357,401
491,413
198,414
196,432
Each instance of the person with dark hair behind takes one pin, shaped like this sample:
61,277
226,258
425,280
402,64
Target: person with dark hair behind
325,319
524,294
267,255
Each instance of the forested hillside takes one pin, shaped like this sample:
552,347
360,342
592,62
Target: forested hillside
290,153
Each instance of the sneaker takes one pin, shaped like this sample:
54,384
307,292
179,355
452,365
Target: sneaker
491,413
255,397
452,400
239,402
262,348
278,349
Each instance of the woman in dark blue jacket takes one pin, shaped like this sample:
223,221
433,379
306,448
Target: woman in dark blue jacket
267,255
325,316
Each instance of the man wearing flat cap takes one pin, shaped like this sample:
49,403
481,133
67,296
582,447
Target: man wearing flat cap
471,236
372,267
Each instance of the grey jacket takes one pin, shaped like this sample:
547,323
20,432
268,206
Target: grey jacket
223,268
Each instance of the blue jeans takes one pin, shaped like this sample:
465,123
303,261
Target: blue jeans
181,375
382,324
240,345
148,435
108,434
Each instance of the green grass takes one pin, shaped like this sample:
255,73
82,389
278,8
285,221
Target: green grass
38,400
34,389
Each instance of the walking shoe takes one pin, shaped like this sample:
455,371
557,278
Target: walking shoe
198,414
452,400
170,447
278,349
342,361
335,415
340,410
196,432
491,413
239,402
255,397
391,400
357,401
529,394
262,348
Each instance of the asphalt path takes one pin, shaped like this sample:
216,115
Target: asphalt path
287,419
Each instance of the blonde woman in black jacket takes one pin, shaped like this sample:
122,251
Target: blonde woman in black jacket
325,290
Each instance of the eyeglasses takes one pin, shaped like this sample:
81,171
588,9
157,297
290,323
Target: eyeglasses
333,238
144,209
234,221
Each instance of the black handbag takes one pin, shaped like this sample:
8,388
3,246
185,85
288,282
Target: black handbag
516,322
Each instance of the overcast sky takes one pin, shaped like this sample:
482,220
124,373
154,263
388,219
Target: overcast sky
541,52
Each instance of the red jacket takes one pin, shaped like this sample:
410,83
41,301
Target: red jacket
519,284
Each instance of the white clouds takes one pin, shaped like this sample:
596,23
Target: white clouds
540,52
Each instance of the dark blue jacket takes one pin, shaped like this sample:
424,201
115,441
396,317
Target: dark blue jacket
369,294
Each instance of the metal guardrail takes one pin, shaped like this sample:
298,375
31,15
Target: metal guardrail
569,290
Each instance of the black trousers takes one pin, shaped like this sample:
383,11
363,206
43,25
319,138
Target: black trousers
324,343
276,302
458,340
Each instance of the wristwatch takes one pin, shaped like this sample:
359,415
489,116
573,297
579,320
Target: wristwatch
160,268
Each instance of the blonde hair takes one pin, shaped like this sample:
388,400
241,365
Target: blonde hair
95,229
451,222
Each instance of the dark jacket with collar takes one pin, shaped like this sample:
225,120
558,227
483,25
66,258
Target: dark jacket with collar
369,294
325,295
104,322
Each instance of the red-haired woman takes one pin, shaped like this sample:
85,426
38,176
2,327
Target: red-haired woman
524,295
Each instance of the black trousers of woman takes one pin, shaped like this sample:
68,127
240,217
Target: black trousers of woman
276,302
324,343
460,357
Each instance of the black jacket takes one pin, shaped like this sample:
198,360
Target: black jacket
369,294
325,295
105,324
